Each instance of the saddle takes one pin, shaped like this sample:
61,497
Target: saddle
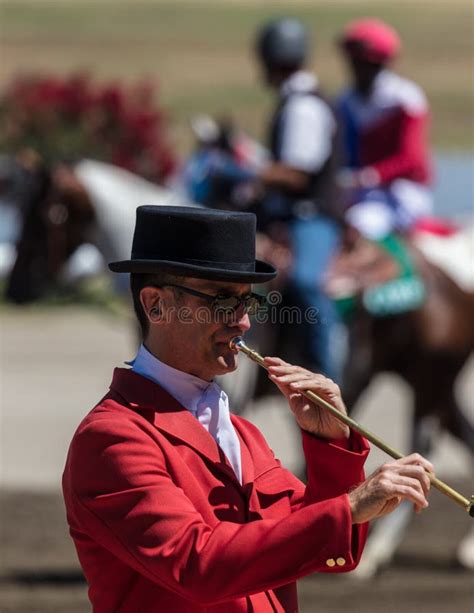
382,275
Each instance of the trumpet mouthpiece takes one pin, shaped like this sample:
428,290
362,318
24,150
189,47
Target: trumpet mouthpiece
236,343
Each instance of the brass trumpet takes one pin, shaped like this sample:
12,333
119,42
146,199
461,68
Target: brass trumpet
238,344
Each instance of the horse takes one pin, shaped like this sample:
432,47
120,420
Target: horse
427,346
430,342
66,208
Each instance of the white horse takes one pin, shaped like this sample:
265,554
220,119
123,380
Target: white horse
115,194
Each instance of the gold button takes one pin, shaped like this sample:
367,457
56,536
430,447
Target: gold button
330,562
340,561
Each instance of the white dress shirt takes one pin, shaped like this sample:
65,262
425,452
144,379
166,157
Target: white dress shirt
308,125
204,399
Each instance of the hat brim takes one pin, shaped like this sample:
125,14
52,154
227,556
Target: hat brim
263,271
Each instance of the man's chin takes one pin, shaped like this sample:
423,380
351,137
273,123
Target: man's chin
227,361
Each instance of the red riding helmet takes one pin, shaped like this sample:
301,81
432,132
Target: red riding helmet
371,40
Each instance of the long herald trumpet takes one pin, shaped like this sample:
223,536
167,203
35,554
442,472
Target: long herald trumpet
237,344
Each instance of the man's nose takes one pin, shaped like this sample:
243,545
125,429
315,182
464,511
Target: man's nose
240,319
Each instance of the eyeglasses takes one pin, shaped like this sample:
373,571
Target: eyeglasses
227,304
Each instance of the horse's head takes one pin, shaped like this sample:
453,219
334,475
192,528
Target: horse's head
56,214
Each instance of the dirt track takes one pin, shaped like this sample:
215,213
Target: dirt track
57,363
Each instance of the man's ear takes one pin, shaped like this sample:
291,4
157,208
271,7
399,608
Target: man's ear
153,304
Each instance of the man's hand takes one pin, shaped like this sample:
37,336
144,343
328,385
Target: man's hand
277,174
384,490
309,416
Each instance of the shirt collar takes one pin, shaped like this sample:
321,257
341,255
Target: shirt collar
186,388
300,82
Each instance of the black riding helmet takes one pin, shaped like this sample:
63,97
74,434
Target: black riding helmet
283,43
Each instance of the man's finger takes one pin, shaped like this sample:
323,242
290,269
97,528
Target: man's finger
284,368
416,458
283,387
416,472
274,361
293,378
410,490
318,385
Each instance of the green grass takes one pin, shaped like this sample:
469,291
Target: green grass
201,52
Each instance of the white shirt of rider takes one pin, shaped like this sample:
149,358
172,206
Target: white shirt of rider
308,125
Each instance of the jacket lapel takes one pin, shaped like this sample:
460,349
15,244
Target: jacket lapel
169,416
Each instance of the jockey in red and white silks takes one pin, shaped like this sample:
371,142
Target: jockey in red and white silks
383,122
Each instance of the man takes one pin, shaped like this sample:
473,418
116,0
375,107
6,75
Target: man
299,181
384,125
174,504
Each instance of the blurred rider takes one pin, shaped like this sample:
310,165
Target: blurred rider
384,124
299,183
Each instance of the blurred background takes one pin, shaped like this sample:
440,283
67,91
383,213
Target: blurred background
123,82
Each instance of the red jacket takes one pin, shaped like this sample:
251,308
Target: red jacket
388,130
161,524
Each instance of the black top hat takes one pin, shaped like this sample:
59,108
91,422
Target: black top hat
196,242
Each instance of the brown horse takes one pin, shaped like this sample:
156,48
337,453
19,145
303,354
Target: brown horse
427,346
